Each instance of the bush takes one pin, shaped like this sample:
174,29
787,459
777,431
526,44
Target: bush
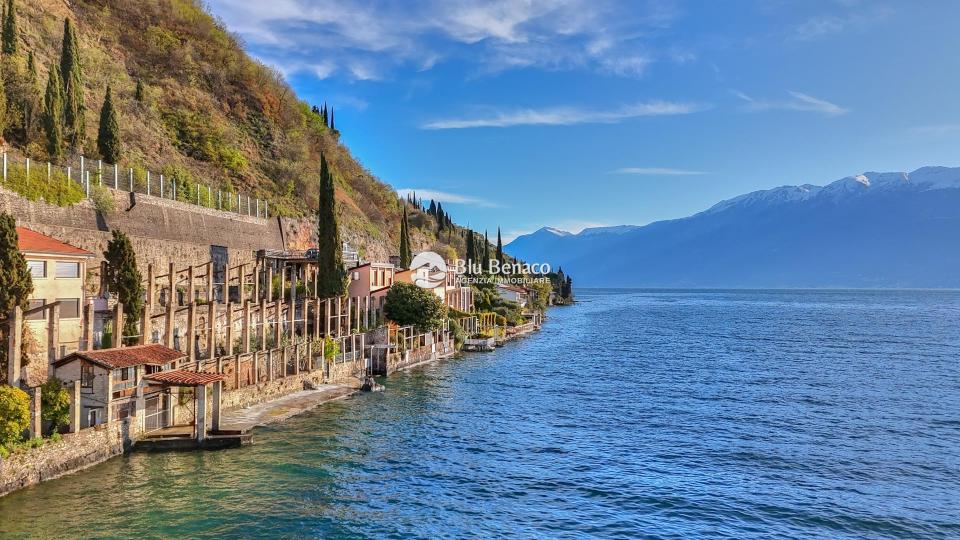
14,415
459,335
55,404
102,199
407,304
59,190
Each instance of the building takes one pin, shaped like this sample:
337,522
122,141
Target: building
110,379
511,293
371,279
426,276
459,295
58,271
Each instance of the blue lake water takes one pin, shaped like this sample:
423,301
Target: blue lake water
657,414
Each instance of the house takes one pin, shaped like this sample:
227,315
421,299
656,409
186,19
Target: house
371,279
110,379
427,276
459,295
58,271
512,293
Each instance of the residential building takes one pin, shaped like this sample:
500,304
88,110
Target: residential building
371,279
512,293
459,295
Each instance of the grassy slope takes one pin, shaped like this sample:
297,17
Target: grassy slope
212,113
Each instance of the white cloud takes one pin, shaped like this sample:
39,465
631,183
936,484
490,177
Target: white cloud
656,171
447,197
564,116
798,102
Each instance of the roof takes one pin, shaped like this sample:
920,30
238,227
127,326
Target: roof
183,377
30,241
512,288
153,355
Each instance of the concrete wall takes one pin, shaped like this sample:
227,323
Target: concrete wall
75,452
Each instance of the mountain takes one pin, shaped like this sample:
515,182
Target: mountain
210,114
869,230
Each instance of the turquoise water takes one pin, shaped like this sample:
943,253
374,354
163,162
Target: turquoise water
668,414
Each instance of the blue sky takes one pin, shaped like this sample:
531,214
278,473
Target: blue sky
576,113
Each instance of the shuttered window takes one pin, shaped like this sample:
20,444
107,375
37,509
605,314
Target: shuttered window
38,269
69,308
66,270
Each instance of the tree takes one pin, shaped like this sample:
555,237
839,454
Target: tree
14,415
124,279
108,138
3,108
406,256
332,281
54,403
499,247
16,285
71,76
30,98
53,115
407,304
8,43
138,93
471,251
486,251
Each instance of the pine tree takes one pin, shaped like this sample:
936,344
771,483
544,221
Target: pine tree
124,280
8,43
499,248
333,277
53,115
71,75
16,285
406,256
108,138
138,93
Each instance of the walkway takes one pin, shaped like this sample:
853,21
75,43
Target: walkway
282,408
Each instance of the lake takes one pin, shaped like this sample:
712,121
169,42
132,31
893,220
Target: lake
657,414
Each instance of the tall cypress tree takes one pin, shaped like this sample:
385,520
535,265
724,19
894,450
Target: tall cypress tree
486,251
53,115
499,248
16,285
471,250
138,92
108,138
124,280
71,75
406,256
332,281
8,43
30,98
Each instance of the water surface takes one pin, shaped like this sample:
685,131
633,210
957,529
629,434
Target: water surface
659,414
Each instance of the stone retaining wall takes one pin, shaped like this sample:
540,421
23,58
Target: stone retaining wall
75,452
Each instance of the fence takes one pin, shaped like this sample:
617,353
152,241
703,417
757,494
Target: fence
143,182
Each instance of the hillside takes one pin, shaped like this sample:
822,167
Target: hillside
210,114
869,230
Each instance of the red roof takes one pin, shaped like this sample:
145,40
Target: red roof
153,355
183,377
33,242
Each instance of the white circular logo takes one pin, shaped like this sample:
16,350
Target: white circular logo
429,270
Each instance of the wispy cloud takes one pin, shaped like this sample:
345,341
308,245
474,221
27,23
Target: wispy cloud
655,171
854,18
798,101
447,197
564,116
936,129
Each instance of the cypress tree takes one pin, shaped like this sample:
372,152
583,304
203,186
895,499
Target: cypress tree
15,281
71,75
108,138
138,92
9,38
332,281
499,248
433,208
471,251
124,280
405,254
333,127
30,98
53,115
486,251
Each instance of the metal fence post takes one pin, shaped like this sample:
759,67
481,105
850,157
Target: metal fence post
148,182
116,176
161,186
4,167
28,169
100,172
131,179
82,168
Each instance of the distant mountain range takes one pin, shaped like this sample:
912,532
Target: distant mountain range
869,230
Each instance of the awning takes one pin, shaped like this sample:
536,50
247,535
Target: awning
183,377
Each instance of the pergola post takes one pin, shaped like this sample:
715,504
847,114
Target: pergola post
245,329
278,323
191,334
269,284
216,398
200,414
88,320
263,324
191,290
210,282
75,407
171,298
148,309
229,330
14,345
35,425
256,281
118,324
211,329
53,333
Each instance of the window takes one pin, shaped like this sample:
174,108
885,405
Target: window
38,269
38,316
69,308
86,375
66,270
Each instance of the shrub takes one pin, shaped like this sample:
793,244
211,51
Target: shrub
58,190
14,415
55,403
102,199
459,335
407,304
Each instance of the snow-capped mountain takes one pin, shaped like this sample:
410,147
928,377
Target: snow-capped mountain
873,229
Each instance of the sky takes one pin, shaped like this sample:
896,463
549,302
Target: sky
521,114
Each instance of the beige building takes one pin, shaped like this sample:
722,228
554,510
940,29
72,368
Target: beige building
58,271
371,279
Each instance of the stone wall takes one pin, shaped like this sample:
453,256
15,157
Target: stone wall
161,230
75,452
343,373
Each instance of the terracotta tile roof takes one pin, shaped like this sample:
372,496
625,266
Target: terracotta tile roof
153,355
183,377
31,241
